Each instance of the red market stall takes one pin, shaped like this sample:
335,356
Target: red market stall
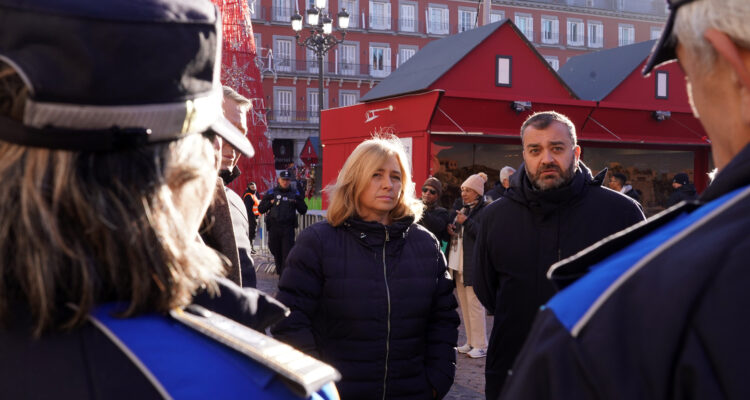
459,102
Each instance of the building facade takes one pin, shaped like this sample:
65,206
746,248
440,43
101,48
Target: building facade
384,34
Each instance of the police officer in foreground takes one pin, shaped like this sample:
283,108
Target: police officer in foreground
281,205
108,109
660,311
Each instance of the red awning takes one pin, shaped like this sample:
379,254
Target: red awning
641,126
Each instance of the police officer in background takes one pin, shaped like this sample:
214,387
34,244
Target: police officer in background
281,205
108,167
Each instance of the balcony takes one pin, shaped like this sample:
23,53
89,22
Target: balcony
290,116
331,69
550,37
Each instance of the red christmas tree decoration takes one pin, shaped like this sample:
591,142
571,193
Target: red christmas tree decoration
239,71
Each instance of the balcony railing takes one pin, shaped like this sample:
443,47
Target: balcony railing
282,14
291,116
550,37
340,68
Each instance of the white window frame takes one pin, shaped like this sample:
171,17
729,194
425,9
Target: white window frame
408,24
661,84
403,52
553,61
467,18
440,25
625,34
525,23
312,62
283,53
282,10
496,15
283,105
380,60
348,94
352,7
312,103
550,29
377,21
348,63
655,32
577,40
595,34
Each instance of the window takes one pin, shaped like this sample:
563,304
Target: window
553,62
352,7
575,32
251,4
466,20
313,111
408,17
655,32
380,61
283,104
627,34
404,54
503,69
282,10
312,62
526,25
496,16
437,20
380,15
620,5
596,34
348,98
348,59
550,30
256,39
662,85
282,54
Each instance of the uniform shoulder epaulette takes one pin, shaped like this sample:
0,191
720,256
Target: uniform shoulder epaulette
304,374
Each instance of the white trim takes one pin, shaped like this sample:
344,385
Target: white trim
648,258
165,120
20,72
133,358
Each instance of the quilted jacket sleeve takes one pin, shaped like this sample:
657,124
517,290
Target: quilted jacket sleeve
300,289
442,333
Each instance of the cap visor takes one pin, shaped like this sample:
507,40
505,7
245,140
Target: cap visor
664,49
234,136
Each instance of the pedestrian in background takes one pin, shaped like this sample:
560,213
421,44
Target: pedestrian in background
553,209
683,190
434,217
368,288
461,262
503,185
618,183
251,201
657,312
281,204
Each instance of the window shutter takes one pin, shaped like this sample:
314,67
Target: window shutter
373,62
387,61
387,16
371,15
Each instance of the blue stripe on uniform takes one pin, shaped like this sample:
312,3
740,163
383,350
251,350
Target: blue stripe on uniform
571,304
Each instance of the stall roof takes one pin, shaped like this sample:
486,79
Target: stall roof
594,76
431,62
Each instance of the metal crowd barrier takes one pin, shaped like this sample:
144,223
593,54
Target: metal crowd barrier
264,260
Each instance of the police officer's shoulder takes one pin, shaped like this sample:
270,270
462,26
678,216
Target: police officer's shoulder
303,374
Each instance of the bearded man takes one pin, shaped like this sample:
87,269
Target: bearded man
553,208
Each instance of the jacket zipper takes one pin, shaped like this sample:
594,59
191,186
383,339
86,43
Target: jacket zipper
388,332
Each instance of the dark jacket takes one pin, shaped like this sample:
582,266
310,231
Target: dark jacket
522,234
659,312
86,363
470,229
436,220
241,228
281,207
632,193
495,193
375,302
682,193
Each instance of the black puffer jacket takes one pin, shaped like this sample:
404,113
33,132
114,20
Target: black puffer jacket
436,220
682,193
374,301
521,235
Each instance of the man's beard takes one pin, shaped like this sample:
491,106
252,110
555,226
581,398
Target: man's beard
563,178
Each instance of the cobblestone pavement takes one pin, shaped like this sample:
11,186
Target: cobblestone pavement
469,382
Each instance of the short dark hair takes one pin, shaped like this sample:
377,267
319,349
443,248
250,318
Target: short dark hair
543,119
620,177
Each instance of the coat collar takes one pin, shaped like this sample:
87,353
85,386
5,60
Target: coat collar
374,233
735,175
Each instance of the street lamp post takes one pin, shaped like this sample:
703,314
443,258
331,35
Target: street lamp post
321,39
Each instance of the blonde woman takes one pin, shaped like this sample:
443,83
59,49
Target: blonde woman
368,288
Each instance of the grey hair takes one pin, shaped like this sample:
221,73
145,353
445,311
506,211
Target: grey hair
243,102
506,172
728,16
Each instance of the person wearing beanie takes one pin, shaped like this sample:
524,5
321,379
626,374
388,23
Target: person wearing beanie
683,190
461,262
553,209
434,218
